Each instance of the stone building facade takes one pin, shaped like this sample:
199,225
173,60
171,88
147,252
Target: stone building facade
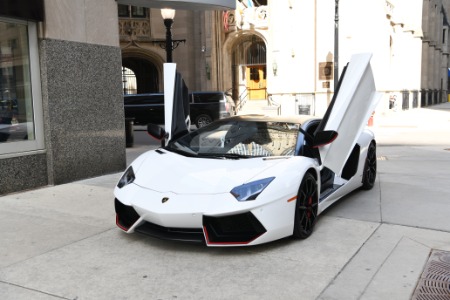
284,52
61,109
408,39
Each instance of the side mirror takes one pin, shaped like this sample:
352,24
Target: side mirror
156,132
323,138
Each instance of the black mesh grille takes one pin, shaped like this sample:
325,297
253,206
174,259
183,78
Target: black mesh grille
242,228
126,215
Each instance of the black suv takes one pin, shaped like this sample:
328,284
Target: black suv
205,107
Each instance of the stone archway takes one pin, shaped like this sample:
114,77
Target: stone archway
147,67
247,53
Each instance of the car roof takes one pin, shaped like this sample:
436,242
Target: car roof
298,119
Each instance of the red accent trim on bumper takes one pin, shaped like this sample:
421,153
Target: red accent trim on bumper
226,243
119,225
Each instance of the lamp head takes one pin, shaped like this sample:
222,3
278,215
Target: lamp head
168,13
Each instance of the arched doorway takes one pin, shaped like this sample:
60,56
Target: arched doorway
145,72
249,69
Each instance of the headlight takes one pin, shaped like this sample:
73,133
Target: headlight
251,190
127,178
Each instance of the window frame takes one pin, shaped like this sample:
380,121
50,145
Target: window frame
132,12
20,148
123,15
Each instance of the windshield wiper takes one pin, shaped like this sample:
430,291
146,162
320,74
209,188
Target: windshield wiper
224,155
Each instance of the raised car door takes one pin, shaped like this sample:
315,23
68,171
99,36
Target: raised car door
349,111
176,103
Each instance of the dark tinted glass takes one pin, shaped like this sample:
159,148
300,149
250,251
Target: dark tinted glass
123,10
208,97
138,12
144,99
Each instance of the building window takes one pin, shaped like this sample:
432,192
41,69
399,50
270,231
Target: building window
127,11
21,128
254,74
123,11
138,12
256,53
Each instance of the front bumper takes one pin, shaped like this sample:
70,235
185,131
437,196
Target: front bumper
237,229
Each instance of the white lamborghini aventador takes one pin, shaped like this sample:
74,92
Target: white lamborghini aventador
248,180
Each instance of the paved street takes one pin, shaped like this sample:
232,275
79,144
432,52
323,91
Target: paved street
61,242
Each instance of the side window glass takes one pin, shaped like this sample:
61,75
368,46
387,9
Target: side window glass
208,97
197,98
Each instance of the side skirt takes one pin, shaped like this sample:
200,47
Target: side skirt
328,192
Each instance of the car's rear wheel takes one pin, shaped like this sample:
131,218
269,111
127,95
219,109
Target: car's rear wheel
306,207
202,120
370,167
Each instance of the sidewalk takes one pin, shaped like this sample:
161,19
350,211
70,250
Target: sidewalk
61,242
422,126
412,211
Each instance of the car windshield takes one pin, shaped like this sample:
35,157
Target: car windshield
239,139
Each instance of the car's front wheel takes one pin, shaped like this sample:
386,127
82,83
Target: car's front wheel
202,120
370,167
306,207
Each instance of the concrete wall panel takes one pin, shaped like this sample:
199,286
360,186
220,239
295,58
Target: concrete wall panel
83,21
23,173
83,109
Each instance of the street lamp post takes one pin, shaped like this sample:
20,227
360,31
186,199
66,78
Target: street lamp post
168,16
169,44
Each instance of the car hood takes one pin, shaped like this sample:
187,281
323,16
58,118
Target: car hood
164,171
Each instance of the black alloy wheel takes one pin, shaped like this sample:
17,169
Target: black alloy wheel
306,207
202,120
370,167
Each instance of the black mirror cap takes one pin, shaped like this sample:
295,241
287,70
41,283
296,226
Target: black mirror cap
323,138
156,131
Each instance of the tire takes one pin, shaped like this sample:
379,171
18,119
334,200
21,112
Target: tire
306,207
202,120
370,167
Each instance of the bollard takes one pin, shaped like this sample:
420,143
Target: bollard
129,133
